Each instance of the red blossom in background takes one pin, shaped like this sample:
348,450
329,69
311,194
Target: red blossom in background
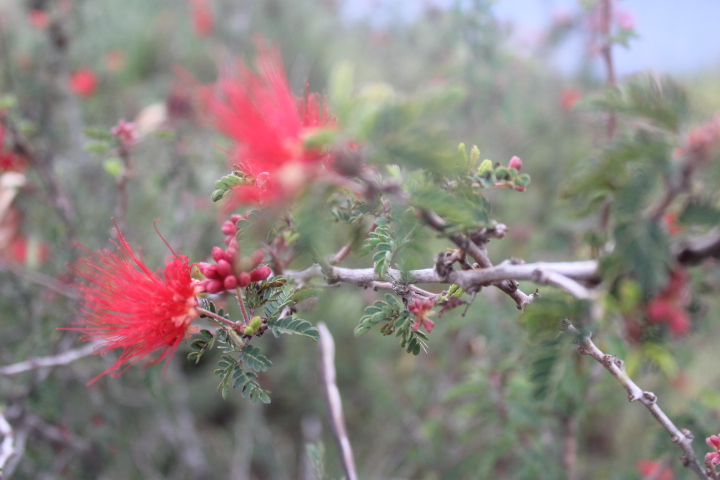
39,19
202,17
656,470
667,306
83,82
126,132
269,126
9,162
568,98
130,307
420,307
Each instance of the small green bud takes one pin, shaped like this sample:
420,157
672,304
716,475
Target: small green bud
255,324
474,156
485,166
502,173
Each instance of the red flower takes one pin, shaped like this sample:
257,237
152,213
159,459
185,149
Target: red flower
713,457
667,306
269,126
130,307
8,160
420,308
39,19
83,82
202,17
568,98
651,468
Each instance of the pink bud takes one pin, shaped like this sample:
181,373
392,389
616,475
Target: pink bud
235,218
260,274
256,258
224,268
229,228
208,269
243,279
231,282
218,254
214,286
515,163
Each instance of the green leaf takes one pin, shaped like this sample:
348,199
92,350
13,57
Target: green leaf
293,326
303,293
97,147
252,357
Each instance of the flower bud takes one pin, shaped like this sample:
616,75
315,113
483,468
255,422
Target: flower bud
243,279
260,274
230,282
229,228
515,163
224,268
218,254
214,286
208,269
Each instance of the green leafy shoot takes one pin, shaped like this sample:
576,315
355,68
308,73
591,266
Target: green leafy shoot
258,294
202,345
381,239
226,183
253,359
291,325
232,375
398,320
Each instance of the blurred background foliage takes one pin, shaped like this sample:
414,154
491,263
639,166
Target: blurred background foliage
497,392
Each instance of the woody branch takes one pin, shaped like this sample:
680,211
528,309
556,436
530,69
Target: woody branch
682,438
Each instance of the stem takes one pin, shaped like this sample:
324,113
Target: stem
215,316
245,315
682,438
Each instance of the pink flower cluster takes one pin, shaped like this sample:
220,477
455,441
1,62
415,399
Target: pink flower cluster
231,270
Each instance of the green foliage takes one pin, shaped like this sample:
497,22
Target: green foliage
381,239
292,325
226,183
253,359
204,344
398,321
316,456
464,210
250,221
660,100
258,294
232,376
700,210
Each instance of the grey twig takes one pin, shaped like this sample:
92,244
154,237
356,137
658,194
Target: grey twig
617,368
52,361
326,364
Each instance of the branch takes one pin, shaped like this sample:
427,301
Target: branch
479,253
617,368
326,363
698,249
52,361
7,447
565,275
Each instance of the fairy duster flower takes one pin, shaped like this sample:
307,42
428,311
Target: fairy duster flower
130,307
270,127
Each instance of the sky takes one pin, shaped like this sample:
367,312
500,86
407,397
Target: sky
678,37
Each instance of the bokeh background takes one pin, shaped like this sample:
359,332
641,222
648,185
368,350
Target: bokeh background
467,409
